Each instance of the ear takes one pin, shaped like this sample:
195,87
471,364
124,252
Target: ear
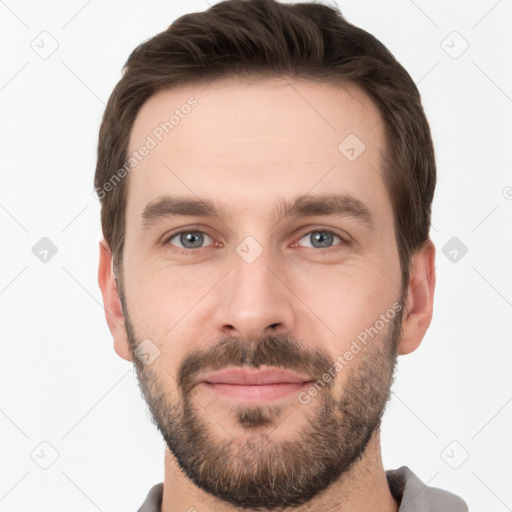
111,303
420,298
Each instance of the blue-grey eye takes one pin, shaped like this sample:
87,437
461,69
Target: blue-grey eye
190,239
321,239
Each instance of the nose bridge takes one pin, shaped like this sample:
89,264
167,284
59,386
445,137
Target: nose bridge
251,274
254,299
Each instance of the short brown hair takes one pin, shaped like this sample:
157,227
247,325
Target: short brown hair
265,38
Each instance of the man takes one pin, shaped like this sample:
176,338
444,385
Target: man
266,174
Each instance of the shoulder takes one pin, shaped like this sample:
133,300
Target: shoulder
153,501
415,496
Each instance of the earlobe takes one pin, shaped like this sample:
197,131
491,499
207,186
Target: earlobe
111,302
419,304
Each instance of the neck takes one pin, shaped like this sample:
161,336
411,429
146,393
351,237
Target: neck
363,488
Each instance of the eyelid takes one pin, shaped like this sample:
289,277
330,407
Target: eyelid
188,229
345,238
185,229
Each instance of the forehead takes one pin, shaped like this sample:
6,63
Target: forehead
256,139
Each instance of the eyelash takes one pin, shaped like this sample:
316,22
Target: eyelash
189,252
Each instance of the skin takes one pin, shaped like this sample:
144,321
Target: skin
249,145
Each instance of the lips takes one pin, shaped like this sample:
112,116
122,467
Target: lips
254,377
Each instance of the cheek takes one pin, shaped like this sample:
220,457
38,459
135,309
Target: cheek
165,302
341,302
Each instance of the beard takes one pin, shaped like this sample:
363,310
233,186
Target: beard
254,469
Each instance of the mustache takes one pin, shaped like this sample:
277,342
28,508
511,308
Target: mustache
285,352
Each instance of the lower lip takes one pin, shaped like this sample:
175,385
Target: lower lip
260,393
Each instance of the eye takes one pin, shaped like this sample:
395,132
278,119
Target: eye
322,239
188,240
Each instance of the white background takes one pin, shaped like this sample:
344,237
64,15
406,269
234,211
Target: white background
61,381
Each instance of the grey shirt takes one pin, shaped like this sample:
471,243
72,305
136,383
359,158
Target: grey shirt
408,490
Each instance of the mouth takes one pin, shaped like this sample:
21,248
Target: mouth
254,386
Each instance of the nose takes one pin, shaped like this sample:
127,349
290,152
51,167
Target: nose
255,300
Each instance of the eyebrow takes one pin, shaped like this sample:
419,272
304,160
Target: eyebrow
338,205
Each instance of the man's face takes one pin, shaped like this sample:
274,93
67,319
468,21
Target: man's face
261,285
